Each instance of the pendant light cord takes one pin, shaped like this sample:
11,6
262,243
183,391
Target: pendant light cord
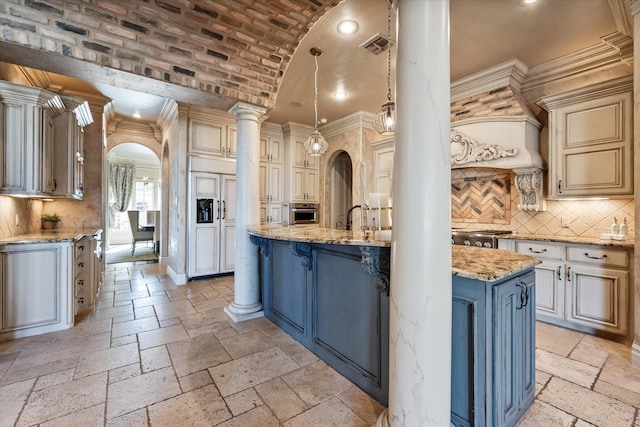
315,97
389,51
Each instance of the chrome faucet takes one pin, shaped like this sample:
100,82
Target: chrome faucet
349,215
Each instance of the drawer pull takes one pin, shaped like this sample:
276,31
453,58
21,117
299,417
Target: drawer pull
538,252
595,257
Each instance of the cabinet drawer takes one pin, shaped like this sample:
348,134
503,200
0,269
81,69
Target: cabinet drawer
598,256
539,250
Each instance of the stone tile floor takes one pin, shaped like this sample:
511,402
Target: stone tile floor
152,353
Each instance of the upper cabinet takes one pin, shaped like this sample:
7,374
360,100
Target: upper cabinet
69,147
212,135
591,141
27,117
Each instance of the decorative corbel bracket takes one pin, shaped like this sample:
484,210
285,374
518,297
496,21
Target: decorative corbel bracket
530,188
262,243
474,151
303,250
377,267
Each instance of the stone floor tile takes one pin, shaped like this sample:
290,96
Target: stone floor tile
165,323
127,339
195,380
161,336
583,423
89,417
124,373
154,358
556,340
542,414
121,319
282,401
316,382
132,419
240,374
122,303
542,377
221,330
195,354
33,371
203,319
365,407
63,399
210,304
242,402
140,391
594,350
618,371
142,312
62,349
588,405
85,329
252,325
134,327
203,406
571,370
622,394
146,302
55,378
107,313
174,309
329,413
105,360
6,360
260,416
12,400
160,286
244,344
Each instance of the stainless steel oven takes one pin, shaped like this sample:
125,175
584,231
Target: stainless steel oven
479,238
303,213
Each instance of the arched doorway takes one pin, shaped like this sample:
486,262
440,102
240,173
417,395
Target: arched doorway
341,189
145,197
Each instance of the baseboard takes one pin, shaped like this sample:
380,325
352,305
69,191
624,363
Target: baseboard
635,355
178,279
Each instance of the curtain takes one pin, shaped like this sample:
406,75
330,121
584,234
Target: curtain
121,177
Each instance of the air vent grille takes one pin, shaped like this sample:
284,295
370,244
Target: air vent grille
377,44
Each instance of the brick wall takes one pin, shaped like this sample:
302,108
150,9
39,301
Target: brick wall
238,49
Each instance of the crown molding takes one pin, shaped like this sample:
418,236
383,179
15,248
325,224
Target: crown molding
587,93
354,121
510,73
621,11
634,5
37,78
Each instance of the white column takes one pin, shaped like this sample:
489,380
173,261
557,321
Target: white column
246,299
420,298
635,286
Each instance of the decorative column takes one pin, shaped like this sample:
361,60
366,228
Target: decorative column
635,286
246,299
420,294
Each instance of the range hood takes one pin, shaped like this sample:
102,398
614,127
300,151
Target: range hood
500,131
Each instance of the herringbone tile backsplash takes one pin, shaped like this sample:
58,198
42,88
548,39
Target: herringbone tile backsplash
587,218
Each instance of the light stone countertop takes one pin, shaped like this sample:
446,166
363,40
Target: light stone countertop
471,262
627,243
50,236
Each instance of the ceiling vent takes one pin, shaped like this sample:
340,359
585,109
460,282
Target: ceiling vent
377,44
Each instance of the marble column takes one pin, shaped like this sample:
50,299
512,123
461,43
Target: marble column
420,311
246,299
635,286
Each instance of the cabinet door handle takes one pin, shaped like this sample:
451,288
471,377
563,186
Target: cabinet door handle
560,186
218,208
224,209
55,185
595,257
537,252
559,272
569,274
524,295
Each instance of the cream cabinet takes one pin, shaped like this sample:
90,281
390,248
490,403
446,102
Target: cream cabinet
27,117
271,179
301,170
301,157
585,287
69,147
591,141
212,138
36,293
85,282
304,185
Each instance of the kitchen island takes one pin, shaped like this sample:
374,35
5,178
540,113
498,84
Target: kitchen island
329,289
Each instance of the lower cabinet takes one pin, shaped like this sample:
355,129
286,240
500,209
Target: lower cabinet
493,350
85,283
36,296
583,287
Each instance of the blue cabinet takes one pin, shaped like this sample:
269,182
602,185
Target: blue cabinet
493,350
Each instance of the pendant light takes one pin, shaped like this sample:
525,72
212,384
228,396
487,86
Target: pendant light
385,120
315,144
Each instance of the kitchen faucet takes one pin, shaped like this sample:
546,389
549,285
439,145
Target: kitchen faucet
349,215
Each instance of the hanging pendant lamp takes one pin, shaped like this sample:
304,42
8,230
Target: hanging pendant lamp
385,120
315,144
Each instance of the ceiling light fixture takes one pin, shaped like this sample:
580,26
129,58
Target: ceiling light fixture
340,95
385,120
347,27
315,144
137,115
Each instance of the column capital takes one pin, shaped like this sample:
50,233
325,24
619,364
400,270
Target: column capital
242,110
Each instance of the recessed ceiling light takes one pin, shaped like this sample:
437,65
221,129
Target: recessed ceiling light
137,115
340,95
348,26
530,1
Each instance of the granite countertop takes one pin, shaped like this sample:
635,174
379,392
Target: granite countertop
51,236
315,234
471,262
627,243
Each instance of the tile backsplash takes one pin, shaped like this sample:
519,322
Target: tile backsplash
29,211
587,218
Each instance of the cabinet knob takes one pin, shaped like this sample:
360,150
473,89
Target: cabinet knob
81,264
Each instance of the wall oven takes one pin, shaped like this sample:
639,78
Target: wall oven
303,213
